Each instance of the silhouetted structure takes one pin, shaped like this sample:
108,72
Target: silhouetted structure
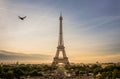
60,48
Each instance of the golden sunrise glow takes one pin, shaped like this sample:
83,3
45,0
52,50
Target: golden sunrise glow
38,33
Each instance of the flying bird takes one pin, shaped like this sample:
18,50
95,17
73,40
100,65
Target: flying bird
22,18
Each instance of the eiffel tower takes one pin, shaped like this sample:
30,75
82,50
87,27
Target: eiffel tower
60,48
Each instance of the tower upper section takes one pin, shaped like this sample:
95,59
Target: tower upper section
60,18
60,43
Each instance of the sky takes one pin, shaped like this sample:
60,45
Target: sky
91,28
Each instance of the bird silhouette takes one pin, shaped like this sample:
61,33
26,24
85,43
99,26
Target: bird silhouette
22,18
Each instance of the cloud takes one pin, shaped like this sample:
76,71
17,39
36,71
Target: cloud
12,56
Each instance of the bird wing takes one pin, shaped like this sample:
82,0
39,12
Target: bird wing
19,17
24,17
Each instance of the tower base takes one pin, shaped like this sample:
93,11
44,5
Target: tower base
60,60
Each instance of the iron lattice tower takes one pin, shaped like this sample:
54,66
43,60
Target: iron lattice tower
60,48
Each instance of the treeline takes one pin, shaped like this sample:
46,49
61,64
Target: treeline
10,72
109,72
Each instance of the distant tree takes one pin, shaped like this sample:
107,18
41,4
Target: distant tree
104,75
115,73
0,69
94,66
109,74
77,72
9,75
97,70
109,68
118,74
34,73
18,72
6,69
3,75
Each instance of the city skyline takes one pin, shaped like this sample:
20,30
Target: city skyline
91,28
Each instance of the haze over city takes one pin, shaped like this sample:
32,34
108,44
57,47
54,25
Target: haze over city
91,28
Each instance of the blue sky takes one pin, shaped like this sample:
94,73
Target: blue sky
91,27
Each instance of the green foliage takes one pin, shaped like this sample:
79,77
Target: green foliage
10,72
23,70
94,66
0,70
111,72
115,73
34,73
97,70
18,72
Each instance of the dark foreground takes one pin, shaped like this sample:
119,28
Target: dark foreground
40,71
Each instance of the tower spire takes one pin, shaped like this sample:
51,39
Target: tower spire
60,13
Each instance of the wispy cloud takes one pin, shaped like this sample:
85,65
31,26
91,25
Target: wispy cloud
7,56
